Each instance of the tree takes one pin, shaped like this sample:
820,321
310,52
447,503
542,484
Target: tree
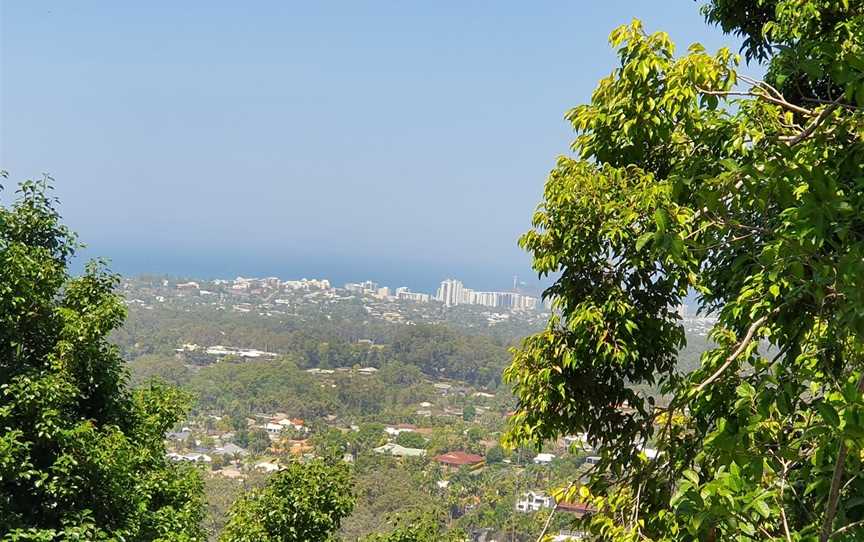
415,528
410,439
495,454
258,440
302,503
691,177
81,457
469,413
330,442
368,436
238,421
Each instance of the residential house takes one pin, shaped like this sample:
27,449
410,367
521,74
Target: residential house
273,429
295,423
395,430
230,449
578,509
399,451
544,459
534,501
267,466
179,436
568,536
192,457
457,459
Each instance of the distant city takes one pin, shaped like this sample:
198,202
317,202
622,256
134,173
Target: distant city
451,292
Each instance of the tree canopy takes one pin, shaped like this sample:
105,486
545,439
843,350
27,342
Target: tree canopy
302,503
689,176
81,457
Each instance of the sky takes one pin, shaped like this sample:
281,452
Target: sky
403,142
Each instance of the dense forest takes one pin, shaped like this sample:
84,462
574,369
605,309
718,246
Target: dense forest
326,343
149,338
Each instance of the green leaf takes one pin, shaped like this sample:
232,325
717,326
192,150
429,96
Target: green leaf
692,476
828,413
643,240
763,508
661,219
745,390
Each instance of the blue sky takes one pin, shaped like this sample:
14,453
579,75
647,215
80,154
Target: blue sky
400,141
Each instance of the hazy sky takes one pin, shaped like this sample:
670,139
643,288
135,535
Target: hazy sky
399,141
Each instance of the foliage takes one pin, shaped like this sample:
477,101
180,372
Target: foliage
367,437
257,440
151,367
494,455
329,442
436,350
386,487
411,528
221,493
410,439
302,503
80,456
689,176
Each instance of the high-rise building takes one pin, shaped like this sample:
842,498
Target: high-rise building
369,286
405,294
450,292
453,292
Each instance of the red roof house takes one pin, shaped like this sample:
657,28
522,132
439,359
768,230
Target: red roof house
458,458
578,508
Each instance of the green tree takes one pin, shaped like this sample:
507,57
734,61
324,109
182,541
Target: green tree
330,442
495,454
258,440
415,528
367,436
302,503
410,439
691,177
80,456
469,412
238,421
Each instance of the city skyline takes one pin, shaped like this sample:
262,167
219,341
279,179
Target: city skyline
451,292
418,275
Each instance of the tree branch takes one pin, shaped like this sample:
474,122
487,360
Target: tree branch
815,124
767,97
850,107
741,346
780,501
845,528
836,481
552,513
760,83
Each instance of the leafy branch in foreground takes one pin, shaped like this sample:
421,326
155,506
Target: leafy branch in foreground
753,199
81,457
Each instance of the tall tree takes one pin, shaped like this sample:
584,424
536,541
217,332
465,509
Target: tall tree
691,177
80,456
301,503
416,527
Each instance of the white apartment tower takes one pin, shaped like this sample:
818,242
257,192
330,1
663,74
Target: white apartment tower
450,292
